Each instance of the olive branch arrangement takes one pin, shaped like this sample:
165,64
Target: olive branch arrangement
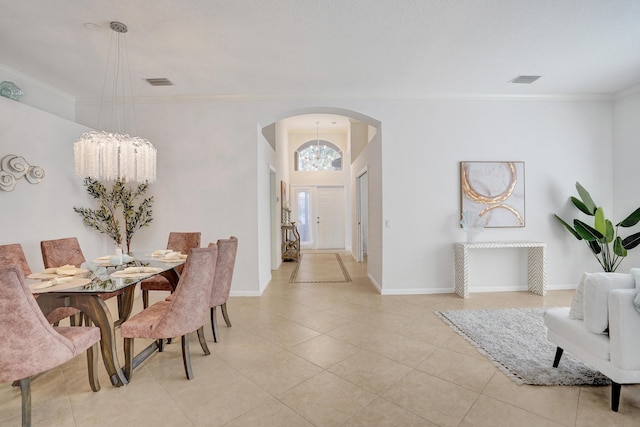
104,219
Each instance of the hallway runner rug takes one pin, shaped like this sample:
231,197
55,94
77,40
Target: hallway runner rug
515,341
320,268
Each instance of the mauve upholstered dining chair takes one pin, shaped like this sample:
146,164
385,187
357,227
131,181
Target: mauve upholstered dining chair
13,254
186,312
180,242
227,249
29,345
67,251
59,252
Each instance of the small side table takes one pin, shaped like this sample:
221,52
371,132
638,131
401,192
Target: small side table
536,275
290,243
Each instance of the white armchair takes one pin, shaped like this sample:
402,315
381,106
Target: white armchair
608,338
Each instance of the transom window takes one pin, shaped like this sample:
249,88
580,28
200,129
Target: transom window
318,155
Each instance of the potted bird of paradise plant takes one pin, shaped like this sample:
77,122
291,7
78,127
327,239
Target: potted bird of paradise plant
602,237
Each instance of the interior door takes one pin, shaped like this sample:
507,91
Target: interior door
330,217
362,218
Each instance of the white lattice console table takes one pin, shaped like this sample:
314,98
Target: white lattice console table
537,273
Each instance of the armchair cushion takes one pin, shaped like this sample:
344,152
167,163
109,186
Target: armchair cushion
596,298
635,272
577,304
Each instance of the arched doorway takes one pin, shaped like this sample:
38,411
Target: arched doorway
361,148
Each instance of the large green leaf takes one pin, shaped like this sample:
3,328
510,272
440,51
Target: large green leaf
611,232
631,220
618,247
587,232
595,247
631,241
599,221
569,228
578,204
586,198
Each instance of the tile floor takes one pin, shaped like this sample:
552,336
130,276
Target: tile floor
325,354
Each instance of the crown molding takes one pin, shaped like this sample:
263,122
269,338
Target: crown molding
381,96
626,92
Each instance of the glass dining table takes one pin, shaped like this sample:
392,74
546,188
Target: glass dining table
86,292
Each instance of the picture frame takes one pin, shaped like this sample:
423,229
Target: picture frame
495,191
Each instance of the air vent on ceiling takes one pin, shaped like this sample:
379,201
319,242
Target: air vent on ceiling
162,81
525,79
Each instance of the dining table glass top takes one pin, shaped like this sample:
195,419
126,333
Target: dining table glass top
101,276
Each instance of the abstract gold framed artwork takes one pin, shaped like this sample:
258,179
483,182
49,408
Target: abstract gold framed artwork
495,191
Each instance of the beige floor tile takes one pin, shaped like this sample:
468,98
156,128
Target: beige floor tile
488,412
408,351
280,372
381,413
432,398
327,400
322,321
324,351
272,413
359,334
371,371
431,333
243,348
286,334
594,409
459,369
557,403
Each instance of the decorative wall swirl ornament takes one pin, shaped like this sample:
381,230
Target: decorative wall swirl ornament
495,191
13,167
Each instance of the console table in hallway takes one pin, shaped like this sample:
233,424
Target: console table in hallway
536,275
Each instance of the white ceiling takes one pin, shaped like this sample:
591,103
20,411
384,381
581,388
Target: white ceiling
329,48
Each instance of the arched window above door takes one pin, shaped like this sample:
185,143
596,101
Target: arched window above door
318,155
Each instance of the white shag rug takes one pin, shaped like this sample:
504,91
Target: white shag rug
515,340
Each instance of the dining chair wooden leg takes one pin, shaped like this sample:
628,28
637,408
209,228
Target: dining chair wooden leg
25,390
145,298
203,342
214,324
76,319
92,364
225,314
128,358
186,358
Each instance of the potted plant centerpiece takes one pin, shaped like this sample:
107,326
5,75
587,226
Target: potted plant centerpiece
602,237
121,196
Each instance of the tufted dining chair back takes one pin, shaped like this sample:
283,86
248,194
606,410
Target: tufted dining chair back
13,254
59,252
227,250
32,344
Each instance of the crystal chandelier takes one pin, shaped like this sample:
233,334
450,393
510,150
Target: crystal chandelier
110,156
317,157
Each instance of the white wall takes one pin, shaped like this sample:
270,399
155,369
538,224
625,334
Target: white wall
560,142
35,212
211,169
626,173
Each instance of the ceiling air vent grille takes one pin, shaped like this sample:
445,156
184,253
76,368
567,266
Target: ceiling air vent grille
160,82
525,79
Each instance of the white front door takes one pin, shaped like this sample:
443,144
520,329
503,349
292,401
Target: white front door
330,217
